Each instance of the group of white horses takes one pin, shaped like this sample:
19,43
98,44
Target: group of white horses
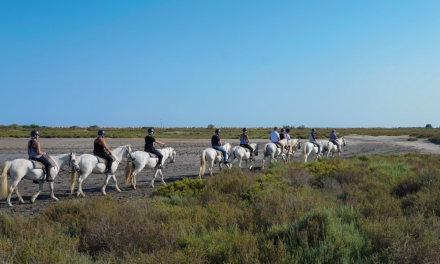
83,166
86,164
271,151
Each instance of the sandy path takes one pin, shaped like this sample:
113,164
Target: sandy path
186,165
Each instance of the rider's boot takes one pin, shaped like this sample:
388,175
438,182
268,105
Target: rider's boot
48,175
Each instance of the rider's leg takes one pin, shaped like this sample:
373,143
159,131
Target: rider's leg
248,147
159,156
225,153
48,167
337,144
109,160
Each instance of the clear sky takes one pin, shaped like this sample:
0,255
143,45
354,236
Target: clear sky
227,63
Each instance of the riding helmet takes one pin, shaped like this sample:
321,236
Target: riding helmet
150,130
244,129
283,129
217,131
313,129
35,133
101,133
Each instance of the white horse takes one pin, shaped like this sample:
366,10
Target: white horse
210,155
295,144
333,148
144,160
310,148
241,154
24,169
271,150
89,163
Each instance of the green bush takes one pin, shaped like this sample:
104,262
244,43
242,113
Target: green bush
185,187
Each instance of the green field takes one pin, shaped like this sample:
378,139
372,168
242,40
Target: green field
203,133
365,209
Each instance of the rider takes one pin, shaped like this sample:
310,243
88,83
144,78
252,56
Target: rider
275,138
149,142
35,153
288,138
217,144
98,150
312,139
283,133
244,142
334,139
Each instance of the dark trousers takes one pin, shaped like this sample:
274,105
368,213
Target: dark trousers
247,146
337,144
108,158
45,161
159,156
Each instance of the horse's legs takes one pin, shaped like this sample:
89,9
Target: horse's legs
161,174
116,183
107,178
264,159
79,192
155,174
19,196
52,195
11,190
210,167
38,193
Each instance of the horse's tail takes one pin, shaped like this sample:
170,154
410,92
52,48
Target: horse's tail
5,179
72,183
128,171
202,163
304,149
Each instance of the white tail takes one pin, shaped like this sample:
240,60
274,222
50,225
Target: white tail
5,179
202,164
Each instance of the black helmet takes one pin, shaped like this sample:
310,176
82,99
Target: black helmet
217,131
101,133
35,133
150,130
244,129
313,129
333,130
288,130
283,129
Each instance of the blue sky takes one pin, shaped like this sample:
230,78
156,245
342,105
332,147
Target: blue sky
227,63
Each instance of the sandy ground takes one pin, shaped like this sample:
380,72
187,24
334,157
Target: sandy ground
186,165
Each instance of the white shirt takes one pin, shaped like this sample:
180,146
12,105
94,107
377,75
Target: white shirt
287,136
274,136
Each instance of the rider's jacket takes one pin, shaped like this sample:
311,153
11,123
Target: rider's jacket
274,137
333,136
312,137
33,151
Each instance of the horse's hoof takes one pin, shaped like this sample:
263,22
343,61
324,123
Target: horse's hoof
21,202
32,201
55,199
9,205
83,195
118,190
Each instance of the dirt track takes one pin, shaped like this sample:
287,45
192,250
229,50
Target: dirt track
186,165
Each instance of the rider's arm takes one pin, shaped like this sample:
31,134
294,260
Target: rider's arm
160,143
219,143
37,145
247,139
102,142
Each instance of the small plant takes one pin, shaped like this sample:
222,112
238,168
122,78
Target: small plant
412,139
185,187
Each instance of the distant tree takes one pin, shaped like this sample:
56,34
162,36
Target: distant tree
31,126
428,126
302,127
93,127
211,126
74,127
14,126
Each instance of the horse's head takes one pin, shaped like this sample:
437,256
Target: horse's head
172,155
73,164
130,155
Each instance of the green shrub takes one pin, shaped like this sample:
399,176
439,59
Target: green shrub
185,187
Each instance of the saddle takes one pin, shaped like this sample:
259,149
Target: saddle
277,144
152,155
37,165
100,160
219,153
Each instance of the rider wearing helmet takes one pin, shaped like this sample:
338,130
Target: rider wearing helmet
283,133
98,150
35,153
150,141
334,139
244,142
312,139
217,144
275,137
